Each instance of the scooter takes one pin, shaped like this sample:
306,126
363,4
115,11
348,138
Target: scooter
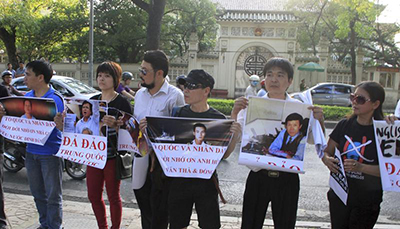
14,160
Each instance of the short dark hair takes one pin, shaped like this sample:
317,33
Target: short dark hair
111,68
90,104
40,67
294,117
199,125
279,62
158,60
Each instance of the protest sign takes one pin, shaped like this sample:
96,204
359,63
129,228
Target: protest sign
338,181
388,148
187,147
28,119
274,135
130,138
85,136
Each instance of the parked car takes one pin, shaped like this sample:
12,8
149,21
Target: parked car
67,86
334,94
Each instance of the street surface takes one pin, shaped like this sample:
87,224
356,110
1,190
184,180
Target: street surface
313,204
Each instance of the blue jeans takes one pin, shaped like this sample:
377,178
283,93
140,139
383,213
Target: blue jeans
45,181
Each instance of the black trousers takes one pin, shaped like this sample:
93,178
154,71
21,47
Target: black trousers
354,217
152,199
3,219
263,187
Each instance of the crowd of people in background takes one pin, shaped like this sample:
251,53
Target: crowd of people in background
165,201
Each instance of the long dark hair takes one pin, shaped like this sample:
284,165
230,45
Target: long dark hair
376,93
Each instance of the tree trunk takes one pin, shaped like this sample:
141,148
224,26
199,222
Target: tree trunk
156,13
9,41
353,52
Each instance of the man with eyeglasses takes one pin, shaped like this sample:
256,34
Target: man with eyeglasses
203,193
156,98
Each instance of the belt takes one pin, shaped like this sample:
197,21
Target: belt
270,173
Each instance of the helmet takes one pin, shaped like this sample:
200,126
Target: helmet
6,72
178,78
254,78
127,76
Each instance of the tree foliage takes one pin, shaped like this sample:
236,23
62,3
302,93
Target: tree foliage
41,28
348,25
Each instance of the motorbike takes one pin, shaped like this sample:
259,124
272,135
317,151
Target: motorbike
14,160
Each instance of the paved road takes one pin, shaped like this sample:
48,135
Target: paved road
313,205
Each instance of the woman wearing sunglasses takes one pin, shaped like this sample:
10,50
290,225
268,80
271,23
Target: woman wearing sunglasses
354,138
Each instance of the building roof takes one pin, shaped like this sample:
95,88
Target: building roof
252,5
254,10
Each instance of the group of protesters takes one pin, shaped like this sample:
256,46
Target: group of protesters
165,201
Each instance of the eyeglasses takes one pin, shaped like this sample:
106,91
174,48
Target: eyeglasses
143,71
359,99
192,86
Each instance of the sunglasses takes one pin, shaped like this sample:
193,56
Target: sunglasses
143,71
359,99
192,86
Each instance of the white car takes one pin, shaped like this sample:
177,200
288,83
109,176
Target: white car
67,86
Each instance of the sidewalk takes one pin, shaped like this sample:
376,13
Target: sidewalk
21,212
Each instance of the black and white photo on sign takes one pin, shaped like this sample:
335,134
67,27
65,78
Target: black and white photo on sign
275,133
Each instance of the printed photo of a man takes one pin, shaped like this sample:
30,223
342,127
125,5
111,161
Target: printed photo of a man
199,133
287,143
28,110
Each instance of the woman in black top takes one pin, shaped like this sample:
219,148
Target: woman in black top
354,138
108,75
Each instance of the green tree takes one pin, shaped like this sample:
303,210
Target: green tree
155,10
120,31
184,17
40,28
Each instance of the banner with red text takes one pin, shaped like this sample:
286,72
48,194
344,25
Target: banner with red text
28,119
388,146
84,135
275,135
187,147
130,138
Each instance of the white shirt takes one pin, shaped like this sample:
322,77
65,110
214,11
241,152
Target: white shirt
397,110
93,122
159,104
250,91
240,119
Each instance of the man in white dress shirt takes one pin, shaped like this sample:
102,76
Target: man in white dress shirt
156,98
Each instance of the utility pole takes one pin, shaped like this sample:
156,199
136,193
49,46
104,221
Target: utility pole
90,76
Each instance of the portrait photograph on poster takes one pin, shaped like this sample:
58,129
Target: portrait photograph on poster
28,119
130,138
30,107
275,134
187,147
84,134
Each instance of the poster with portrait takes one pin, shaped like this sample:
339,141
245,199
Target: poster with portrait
187,147
28,119
388,147
338,181
84,135
274,135
130,138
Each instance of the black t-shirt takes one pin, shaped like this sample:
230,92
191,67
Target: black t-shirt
119,103
364,189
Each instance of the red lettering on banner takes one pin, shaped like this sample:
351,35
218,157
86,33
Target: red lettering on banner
204,161
69,142
271,163
390,168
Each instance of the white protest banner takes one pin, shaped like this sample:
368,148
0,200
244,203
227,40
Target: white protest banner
188,147
388,148
84,149
274,135
338,181
130,138
84,136
28,119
